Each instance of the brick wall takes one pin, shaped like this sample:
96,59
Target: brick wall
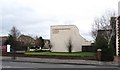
119,35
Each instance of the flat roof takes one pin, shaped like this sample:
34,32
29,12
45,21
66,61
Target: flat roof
61,25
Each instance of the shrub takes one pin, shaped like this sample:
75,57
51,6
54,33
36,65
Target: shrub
107,50
107,54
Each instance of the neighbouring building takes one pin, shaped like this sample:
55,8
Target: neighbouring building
3,46
88,48
118,36
3,40
61,36
118,30
105,33
26,39
116,25
113,24
46,44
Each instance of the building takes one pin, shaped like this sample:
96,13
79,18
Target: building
117,24
118,31
46,44
3,40
3,46
64,35
26,39
118,36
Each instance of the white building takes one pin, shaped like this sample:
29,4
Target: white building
62,35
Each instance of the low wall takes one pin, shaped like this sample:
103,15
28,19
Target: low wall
117,58
53,56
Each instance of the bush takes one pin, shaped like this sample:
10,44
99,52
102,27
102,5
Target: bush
107,54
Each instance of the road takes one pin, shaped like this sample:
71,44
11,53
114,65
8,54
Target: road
10,64
32,66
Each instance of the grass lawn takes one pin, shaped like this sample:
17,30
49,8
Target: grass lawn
62,53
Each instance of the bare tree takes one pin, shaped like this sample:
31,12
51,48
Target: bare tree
14,32
103,23
69,46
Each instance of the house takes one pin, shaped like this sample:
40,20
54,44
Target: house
62,36
26,39
3,46
46,44
3,40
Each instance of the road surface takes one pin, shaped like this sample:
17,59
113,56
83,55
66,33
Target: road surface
6,65
10,64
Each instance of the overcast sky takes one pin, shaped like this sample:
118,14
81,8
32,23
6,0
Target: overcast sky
34,17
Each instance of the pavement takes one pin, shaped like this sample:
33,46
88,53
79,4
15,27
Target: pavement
61,61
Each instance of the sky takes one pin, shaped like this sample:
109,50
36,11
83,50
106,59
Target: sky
34,17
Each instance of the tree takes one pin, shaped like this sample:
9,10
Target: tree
14,32
100,43
12,39
103,23
37,43
107,53
69,46
104,34
41,42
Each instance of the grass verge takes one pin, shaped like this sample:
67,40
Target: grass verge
62,53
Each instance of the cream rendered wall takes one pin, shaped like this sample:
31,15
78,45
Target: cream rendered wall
62,34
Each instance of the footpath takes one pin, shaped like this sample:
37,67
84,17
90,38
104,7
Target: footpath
60,61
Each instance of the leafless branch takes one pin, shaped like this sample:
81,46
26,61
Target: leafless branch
103,23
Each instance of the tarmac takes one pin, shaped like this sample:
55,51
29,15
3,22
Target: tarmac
60,61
